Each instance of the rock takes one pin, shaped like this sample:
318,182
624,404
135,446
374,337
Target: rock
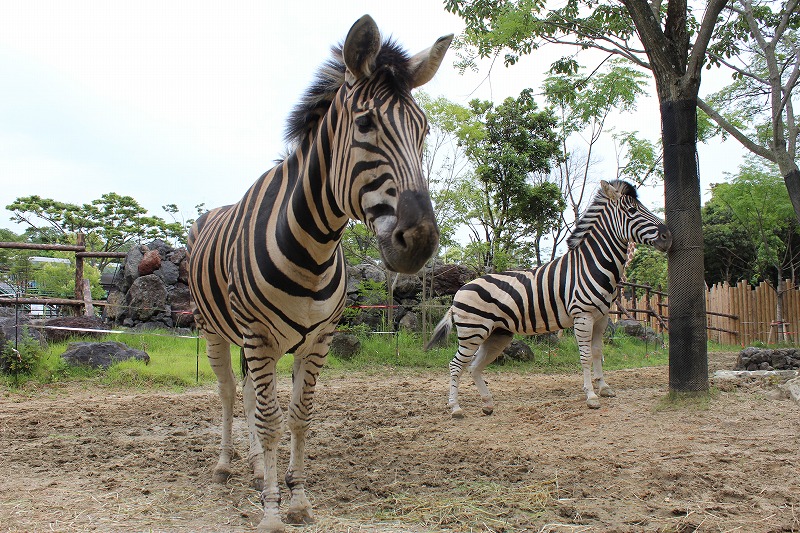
101,354
409,322
149,263
180,301
792,389
146,298
79,322
345,345
407,286
447,279
516,351
131,270
163,249
168,272
114,310
15,327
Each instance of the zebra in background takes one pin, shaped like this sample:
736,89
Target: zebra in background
268,273
576,289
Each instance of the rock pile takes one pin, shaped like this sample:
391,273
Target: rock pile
765,359
151,290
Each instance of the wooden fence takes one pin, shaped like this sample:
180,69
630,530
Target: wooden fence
83,298
738,315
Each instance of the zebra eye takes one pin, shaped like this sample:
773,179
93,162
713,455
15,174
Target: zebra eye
365,123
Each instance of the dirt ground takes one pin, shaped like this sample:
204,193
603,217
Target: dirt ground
385,456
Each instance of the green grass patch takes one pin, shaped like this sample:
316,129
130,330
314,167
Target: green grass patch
177,362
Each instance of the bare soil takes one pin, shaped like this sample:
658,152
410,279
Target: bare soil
384,455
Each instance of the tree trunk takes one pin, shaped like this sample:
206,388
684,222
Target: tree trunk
688,356
792,181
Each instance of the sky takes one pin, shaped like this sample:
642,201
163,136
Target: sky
184,102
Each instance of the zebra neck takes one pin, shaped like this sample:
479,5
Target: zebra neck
605,255
308,211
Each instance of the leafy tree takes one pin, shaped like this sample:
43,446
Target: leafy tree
110,223
728,255
670,42
648,267
759,45
496,199
759,204
582,103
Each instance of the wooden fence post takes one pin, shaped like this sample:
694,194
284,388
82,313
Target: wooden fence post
80,241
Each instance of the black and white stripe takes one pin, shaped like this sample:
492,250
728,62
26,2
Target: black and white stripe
268,273
576,290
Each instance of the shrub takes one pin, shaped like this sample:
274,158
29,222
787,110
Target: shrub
21,360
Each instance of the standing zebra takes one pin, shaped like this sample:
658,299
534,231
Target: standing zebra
574,290
268,273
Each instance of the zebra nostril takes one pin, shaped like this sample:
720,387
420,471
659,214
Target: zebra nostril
400,239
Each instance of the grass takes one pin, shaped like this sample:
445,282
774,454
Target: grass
180,362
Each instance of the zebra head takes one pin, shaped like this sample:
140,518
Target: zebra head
378,156
635,222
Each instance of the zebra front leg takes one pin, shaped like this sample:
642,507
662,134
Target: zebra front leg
219,357
598,383
584,326
256,454
268,421
304,380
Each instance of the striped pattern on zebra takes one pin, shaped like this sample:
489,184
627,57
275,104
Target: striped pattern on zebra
577,289
268,273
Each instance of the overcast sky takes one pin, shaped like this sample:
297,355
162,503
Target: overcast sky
184,101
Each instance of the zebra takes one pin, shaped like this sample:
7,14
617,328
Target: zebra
268,273
576,289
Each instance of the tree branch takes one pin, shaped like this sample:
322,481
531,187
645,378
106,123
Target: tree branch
735,132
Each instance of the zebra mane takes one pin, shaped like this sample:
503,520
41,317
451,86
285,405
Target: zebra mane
392,61
587,220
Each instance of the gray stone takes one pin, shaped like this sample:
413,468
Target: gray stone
407,286
518,350
71,324
345,345
101,354
792,389
409,322
146,298
131,270
168,272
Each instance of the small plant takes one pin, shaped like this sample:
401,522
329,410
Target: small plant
22,359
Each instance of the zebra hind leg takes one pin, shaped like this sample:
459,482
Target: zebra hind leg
488,352
256,455
462,358
218,351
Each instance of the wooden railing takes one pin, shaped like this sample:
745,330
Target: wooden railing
83,296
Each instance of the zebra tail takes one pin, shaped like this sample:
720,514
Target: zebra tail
442,331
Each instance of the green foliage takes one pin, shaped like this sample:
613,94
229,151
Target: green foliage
20,360
112,222
648,267
757,205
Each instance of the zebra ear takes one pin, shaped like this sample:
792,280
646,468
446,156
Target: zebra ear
361,47
425,64
610,191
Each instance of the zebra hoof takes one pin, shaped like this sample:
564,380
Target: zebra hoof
607,392
593,403
488,410
222,473
271,525
457,413
300,517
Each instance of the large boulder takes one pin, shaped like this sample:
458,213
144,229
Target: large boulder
146,298
180,302
516,351
54,333
345,345
447,279
131,269
101,354
17,326
406,286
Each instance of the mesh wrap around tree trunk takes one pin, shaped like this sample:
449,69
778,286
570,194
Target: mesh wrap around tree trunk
688,357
